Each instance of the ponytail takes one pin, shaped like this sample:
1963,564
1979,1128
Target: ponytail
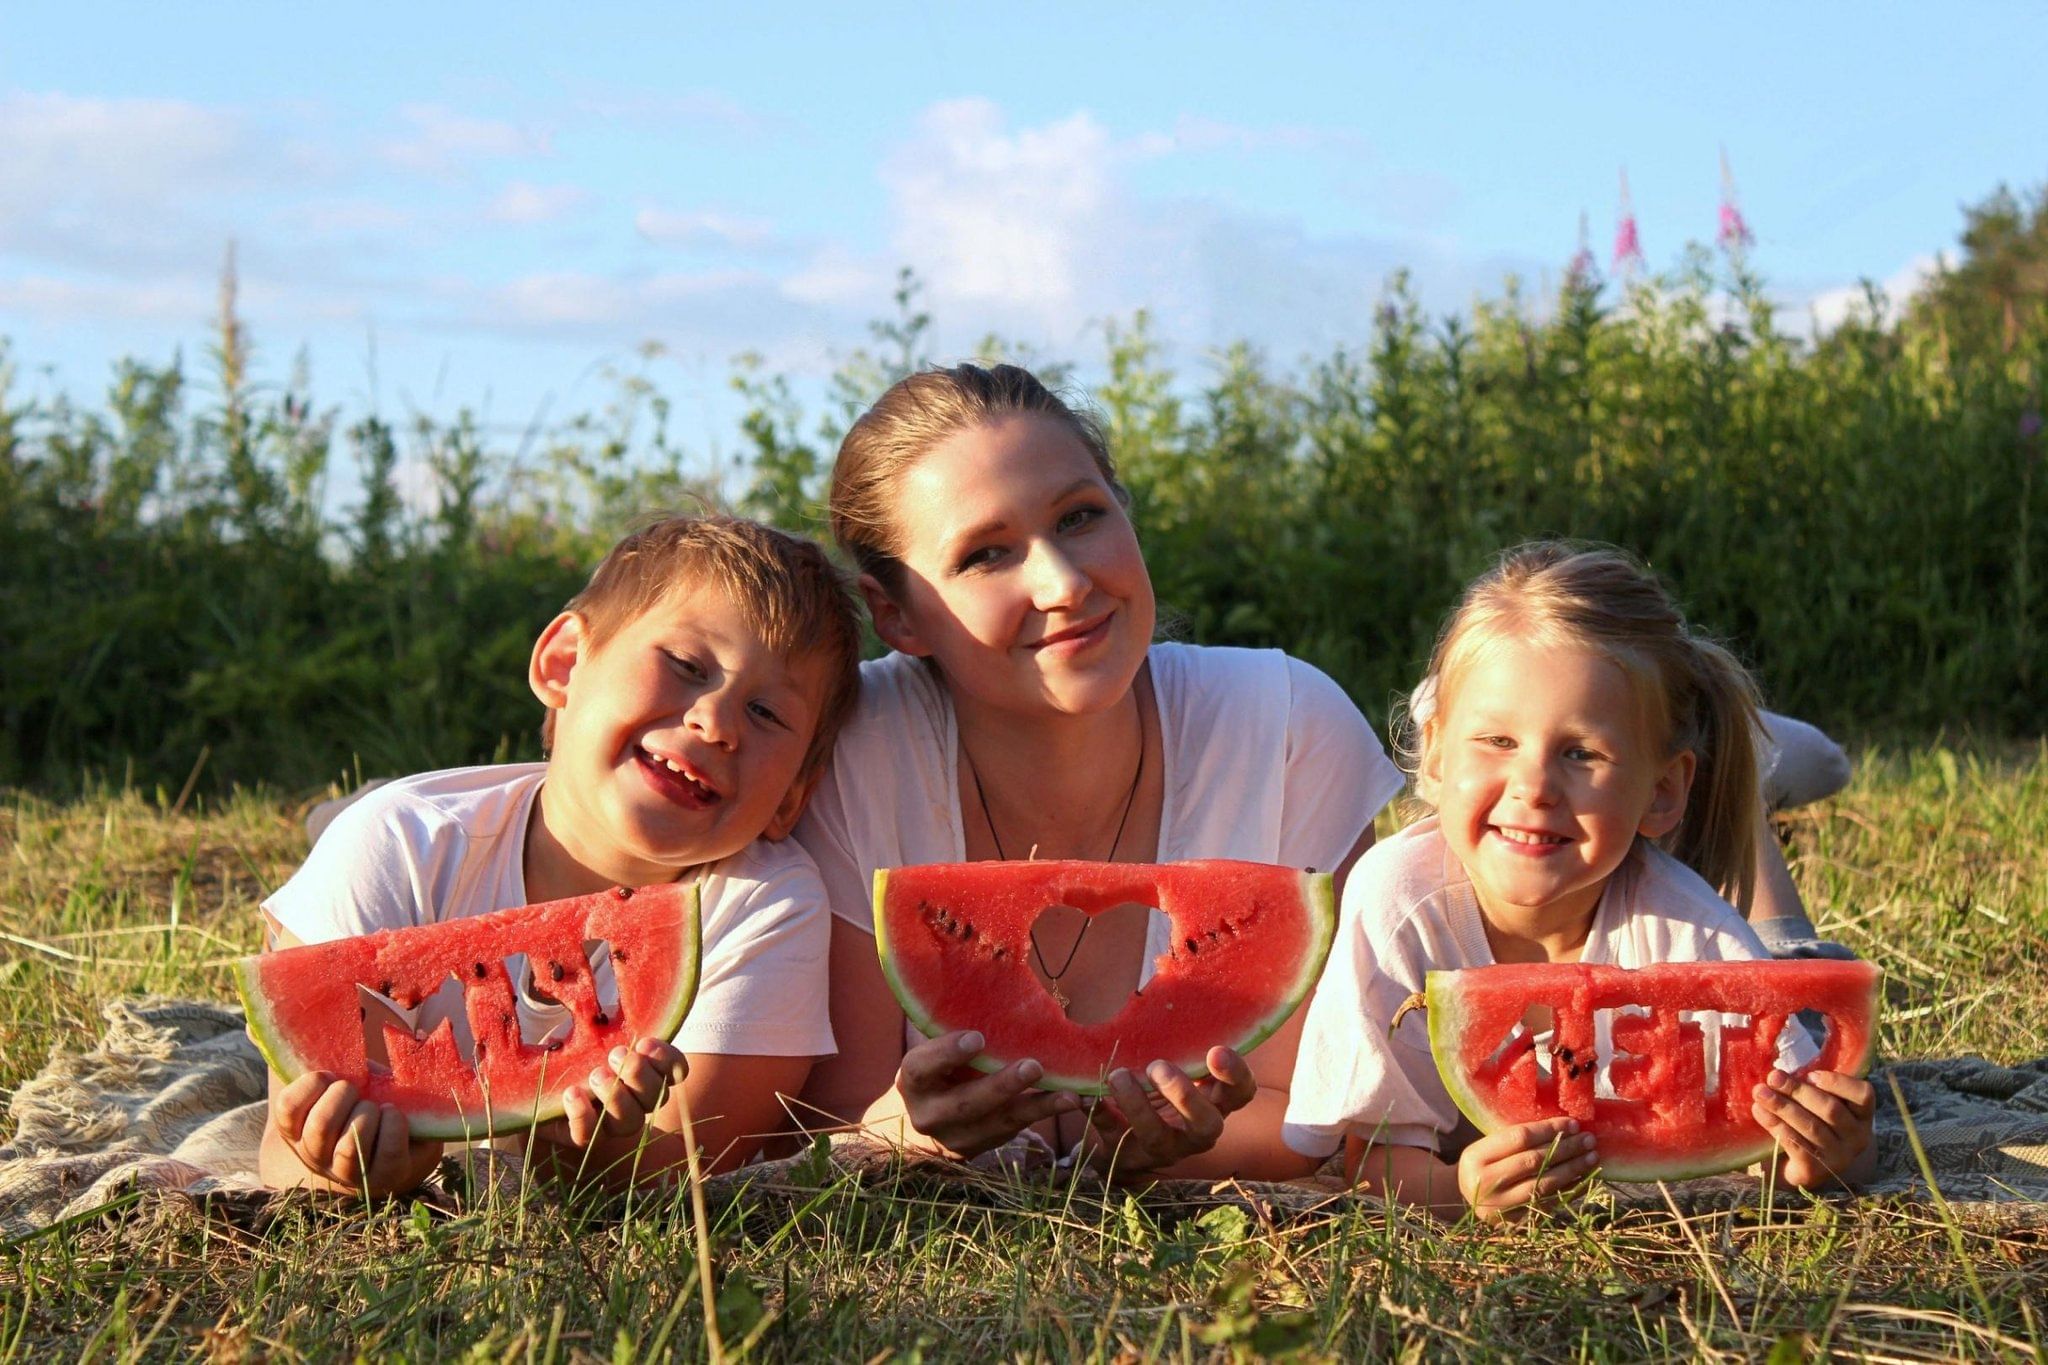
1714,714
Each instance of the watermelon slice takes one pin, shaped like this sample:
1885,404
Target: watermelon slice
1248,943
473,1026
1667,1103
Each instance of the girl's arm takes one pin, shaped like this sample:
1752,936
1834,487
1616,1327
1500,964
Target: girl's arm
1407,1175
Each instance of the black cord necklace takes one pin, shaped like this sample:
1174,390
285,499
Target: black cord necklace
1053,977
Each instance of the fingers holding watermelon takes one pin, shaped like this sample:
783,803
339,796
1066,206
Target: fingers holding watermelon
1526,1164
1822,1124
606,1114
963,1112
345,1142
1136,1130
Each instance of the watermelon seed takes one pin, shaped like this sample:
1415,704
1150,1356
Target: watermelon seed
478,967
618,954
555,972
362,1013
1565,1053
1193,947
384,989
623,892
601,1019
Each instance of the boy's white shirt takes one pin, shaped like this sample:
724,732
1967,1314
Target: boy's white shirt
448,844
1265,759
1409,908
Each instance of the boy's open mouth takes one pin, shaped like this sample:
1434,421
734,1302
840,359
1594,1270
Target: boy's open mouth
673,780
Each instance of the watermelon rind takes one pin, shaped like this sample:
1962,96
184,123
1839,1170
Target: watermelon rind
500,1118
1319,901
1447,1024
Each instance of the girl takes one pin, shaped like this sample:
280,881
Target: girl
1026,708
1581,731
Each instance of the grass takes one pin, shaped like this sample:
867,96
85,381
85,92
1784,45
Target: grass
1927,863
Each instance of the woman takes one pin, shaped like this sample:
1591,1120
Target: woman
1026,712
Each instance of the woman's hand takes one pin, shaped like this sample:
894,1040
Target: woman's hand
962,1112
1821,1121
1134,1130
1529,1163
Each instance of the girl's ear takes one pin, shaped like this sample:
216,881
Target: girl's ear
1668,797
1429,770
892,623
555,655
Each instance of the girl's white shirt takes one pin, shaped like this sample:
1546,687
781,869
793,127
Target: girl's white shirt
1266,759
1409,908
444,845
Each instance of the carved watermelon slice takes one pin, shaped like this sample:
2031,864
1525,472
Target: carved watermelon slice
1670,1099
473,1026
1248,943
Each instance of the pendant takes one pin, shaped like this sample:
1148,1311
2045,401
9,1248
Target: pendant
1059,997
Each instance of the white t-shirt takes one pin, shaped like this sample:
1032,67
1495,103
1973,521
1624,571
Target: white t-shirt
448,844
1266,759
1410,908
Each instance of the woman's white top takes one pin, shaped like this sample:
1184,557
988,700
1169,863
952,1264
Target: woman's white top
1266,759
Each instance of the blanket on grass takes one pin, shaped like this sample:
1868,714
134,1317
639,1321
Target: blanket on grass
172,1099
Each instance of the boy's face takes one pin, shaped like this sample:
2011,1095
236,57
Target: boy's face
678,740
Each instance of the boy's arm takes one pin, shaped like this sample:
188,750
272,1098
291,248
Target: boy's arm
1407,1175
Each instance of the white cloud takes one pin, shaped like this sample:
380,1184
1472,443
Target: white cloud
439,140
1034,232
524,202
1830,308
703,228
49,299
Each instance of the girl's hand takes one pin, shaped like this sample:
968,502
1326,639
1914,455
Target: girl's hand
963,1112
1527,1164
1133,1130
604,1116
1821,1122
347,1141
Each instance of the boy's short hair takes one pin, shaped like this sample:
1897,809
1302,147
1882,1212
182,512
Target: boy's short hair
794,597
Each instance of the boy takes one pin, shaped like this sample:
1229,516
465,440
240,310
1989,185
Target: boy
693,692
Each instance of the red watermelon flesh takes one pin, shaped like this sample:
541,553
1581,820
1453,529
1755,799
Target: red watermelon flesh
431,1019
1248,942
1660,1121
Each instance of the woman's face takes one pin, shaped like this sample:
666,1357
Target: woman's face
1023,579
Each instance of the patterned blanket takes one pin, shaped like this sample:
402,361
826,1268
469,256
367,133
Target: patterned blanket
172,1099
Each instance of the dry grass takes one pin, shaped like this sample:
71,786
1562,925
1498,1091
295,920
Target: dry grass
1928,863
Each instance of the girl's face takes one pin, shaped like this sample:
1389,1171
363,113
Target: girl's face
1544,776
1022,575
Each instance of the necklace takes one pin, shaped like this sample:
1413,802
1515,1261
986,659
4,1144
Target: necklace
1052,977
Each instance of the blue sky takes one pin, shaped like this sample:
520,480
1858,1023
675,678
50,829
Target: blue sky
484,206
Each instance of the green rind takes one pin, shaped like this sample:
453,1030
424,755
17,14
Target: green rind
1319,897
1446,1024
498,1120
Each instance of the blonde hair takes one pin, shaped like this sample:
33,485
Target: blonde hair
787,591
1694,694
918,413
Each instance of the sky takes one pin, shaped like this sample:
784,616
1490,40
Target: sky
494,207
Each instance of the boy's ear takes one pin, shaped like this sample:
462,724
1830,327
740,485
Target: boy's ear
892,623
555,655
791,807
1668,797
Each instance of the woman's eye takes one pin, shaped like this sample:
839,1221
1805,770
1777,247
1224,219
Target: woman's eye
980,559
1078,517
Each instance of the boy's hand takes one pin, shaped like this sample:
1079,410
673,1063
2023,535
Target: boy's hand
1525,1164
1134,1130
346,1140
1821,1122
605,1115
